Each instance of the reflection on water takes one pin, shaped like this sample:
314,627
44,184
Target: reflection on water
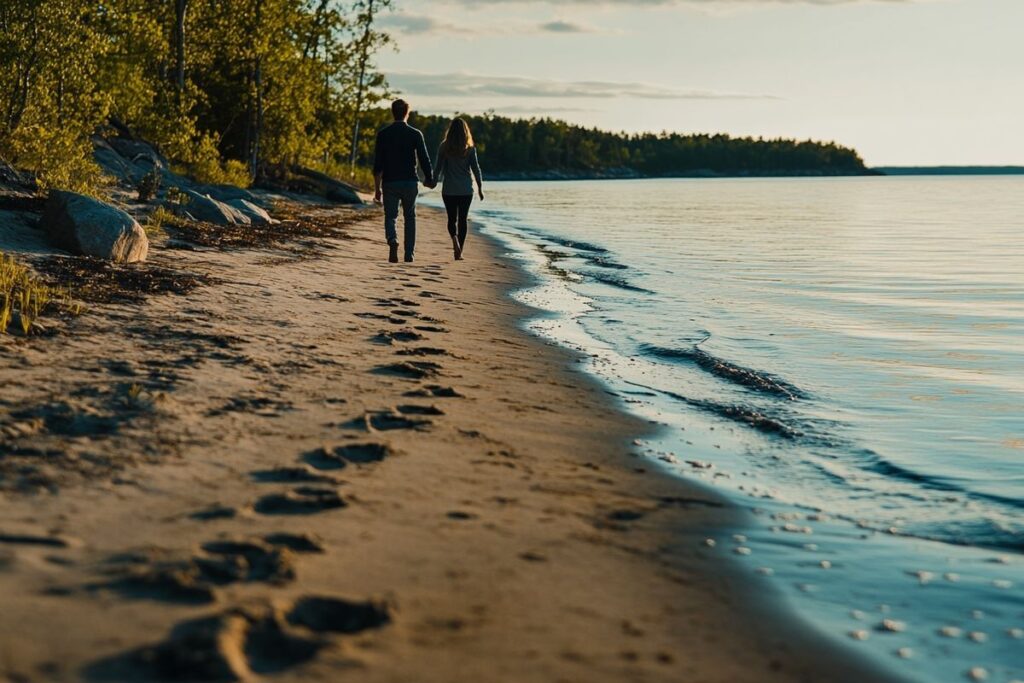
846,354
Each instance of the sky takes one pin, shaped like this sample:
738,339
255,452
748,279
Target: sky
905,82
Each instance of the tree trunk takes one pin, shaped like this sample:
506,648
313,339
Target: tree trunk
180,6
257,106
364,58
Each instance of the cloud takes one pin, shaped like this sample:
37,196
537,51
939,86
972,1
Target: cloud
504,109
416,24
474,85
422,24
565,27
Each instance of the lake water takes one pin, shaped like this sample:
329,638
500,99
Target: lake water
844,357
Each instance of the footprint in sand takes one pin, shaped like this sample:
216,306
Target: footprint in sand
434,391
409,369
299,474
221,562
246,641
373,316
415,409
36,540
339,457
423,351
302,500
392,336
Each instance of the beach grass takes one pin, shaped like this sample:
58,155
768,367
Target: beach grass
24,299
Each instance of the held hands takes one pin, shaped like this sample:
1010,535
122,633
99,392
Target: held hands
378,196
431,184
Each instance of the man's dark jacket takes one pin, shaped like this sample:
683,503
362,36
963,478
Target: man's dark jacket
398,147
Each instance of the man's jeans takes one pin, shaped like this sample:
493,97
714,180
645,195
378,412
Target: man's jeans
403,193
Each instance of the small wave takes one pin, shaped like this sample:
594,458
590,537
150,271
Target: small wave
978,533
619,282
737,374
575,244
751,417
879,465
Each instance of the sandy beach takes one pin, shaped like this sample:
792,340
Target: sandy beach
318,466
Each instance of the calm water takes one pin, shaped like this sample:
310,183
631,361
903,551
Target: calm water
845,357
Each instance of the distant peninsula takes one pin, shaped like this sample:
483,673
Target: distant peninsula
549,149
950,170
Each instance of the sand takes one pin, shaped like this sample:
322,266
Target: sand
324,467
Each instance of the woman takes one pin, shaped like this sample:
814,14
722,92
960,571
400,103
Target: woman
456,161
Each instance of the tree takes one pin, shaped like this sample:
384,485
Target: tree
370,41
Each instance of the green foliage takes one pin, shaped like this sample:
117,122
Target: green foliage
24,299
224,88
537,145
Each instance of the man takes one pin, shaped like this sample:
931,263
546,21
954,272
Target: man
394,173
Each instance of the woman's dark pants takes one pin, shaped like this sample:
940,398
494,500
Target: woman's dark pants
458,214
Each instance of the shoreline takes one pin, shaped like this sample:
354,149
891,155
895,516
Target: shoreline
503,533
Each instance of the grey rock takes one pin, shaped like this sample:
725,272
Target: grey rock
83,225
205,208
331,188
255,213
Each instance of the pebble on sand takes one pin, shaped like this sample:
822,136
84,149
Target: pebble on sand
978,636
860,634
904,653
857,614
709,542
1016,633
892,626
742,550
950,632
951,576
765,571
739,538
1002,583
923,577
978,673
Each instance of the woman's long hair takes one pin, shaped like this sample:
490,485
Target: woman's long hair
458,140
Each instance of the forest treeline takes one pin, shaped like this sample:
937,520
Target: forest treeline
535,147
227,89
235,90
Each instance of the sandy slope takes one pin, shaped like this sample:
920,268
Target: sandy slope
498,531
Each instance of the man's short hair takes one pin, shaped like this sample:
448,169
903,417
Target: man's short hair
399,108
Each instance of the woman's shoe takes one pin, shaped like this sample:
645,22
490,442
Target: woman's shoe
457,248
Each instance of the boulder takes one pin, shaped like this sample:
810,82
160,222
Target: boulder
255,213
207,209
225,193
83,225
329,187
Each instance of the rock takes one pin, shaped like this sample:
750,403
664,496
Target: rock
255,213
226,193
207,209
332,188
83,225
129,160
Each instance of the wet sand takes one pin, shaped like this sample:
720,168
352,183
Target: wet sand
321,466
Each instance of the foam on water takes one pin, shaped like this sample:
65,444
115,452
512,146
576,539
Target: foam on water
844,357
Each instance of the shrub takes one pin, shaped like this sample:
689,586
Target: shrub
148,186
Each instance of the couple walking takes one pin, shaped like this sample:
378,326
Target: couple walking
399,147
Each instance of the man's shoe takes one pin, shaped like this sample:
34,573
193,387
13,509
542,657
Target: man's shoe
393,253
408,258
456,248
